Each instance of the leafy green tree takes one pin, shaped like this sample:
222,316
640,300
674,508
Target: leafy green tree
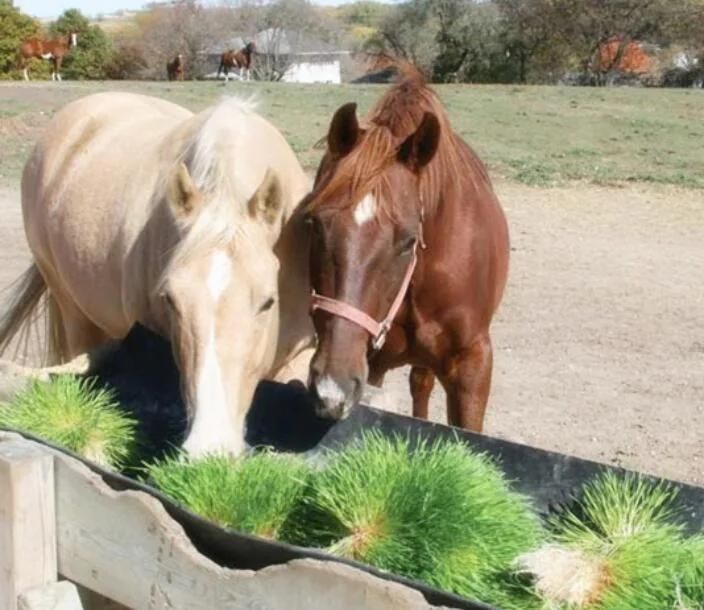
93,55
410,32
15,27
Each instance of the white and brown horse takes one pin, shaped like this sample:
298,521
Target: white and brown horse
136,210
241,59
54,50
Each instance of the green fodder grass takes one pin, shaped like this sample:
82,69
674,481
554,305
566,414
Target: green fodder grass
625,528
76,414
435,512
689,585
254,495
536,135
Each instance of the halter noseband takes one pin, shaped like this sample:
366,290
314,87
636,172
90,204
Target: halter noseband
377,330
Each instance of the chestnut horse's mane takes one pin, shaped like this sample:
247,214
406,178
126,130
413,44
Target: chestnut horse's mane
395,117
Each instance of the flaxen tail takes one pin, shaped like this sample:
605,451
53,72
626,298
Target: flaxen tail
29,303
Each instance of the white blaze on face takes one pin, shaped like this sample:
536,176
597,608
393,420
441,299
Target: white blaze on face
330,391
219,275
214,427
74,40
365,210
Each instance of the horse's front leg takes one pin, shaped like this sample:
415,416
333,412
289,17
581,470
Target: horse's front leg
421,382
57,69
467,380
26,73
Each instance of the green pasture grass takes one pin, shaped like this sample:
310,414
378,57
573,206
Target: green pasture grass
437,513
537,135
76,414
625,528
254,495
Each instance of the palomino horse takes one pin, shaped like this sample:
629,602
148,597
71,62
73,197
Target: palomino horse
409,257
175,69
136,210
53,50
241,59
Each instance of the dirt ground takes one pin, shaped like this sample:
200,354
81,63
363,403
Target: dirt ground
599,343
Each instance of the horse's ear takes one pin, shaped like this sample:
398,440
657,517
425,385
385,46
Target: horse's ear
420,147
184,196
344,130
267,202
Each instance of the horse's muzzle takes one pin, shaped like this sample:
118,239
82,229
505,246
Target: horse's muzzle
334,398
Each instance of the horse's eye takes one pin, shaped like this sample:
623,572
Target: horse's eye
169,301
407,244
267,305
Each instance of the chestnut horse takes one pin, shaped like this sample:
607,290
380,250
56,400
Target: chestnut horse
54,50
241,59
174,68
409,257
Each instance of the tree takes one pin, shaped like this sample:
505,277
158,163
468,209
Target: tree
585,26
187,27
288,26
454,40
93,54
409,32
15,28
470,42
528,38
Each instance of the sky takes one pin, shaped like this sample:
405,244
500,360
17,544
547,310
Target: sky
91,8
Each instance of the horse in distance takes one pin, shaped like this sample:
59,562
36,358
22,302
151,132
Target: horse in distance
53,50
241,59
175,69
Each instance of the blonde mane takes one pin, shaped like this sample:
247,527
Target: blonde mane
211,148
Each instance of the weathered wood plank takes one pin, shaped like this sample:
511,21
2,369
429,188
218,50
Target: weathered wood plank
27,519
55,596
125,546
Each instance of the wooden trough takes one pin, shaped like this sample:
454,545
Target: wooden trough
124,544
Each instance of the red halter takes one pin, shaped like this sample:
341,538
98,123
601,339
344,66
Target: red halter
377,330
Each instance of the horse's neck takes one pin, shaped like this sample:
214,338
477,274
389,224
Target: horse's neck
296,329
55,47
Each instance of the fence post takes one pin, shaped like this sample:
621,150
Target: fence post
27,520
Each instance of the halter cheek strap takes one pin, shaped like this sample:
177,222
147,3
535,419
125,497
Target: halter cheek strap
377,330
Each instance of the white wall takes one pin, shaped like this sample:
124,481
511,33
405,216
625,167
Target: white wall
314,72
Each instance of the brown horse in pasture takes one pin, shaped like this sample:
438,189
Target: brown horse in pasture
175,69
54,50
241,59
409,257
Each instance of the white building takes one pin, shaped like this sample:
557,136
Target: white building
287,56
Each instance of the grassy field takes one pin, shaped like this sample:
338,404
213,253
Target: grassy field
535,135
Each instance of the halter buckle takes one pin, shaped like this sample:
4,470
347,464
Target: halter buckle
380,339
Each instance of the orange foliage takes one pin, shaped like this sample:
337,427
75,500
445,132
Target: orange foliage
634,60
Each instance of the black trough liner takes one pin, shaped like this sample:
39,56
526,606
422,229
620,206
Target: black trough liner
145,378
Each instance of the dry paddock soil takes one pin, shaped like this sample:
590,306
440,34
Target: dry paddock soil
599,343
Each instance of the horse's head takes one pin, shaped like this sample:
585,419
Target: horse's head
219,299
72,40
250,47
366,213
